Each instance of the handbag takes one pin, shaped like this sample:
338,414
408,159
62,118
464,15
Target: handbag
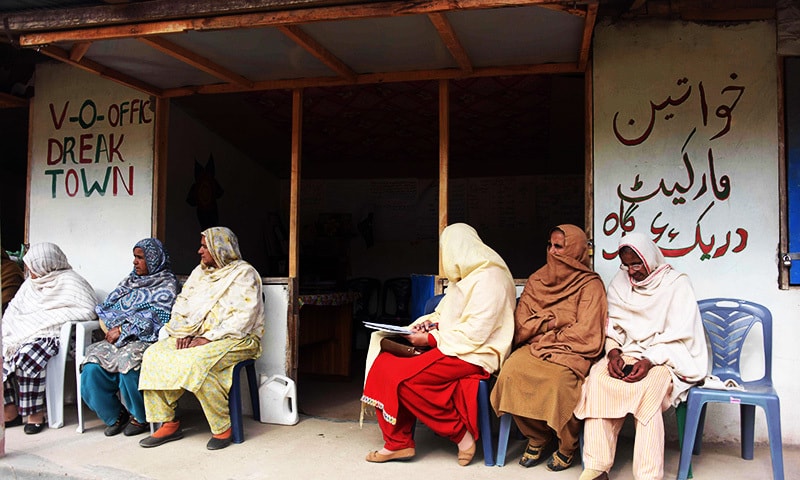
400,347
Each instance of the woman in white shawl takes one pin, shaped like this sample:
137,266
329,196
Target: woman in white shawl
216,322
52,295
469,334
656,350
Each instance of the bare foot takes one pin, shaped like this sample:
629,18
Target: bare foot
10,412
37,417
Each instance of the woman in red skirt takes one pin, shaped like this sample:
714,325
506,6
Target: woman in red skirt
469,335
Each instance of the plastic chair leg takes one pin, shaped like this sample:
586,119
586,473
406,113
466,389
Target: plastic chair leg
235,401
83,337
680,416
773,414
694,413
747,421
54,379
698,442
502,439
252,384
484,423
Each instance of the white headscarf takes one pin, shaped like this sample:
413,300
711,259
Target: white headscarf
658,318
58,295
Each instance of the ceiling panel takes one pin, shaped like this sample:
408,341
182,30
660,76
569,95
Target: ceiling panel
384,44
133,58
518,36
257,54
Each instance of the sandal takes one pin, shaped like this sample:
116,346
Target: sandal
532,455
15,422
559,462
115,428
135,427
33,428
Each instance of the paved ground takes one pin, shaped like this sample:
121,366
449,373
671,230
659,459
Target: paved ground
315,448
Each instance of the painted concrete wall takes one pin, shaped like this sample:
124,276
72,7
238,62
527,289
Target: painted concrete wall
91,171
249,192
686,150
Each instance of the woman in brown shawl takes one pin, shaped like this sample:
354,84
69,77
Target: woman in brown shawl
560,331
12,278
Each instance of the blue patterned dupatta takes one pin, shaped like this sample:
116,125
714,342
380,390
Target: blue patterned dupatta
141,304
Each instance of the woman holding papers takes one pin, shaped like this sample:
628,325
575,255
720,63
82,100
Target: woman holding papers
469,335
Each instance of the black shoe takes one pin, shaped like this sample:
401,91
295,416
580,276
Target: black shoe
152,441
218,443
16,422
117,426
33,428
135,428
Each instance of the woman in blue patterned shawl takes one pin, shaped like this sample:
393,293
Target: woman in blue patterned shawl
131,316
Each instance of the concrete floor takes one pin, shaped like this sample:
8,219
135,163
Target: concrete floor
315,448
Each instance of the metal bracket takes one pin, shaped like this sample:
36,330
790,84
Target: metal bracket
786,258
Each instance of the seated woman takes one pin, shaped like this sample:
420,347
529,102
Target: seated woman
217,321
560,324
12,278
54,294
656,350
131,316
469,334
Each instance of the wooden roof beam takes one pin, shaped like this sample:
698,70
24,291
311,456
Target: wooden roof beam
101,70
384,77
586,41
300,37
11,101
451,41
78,50
187,56
136,27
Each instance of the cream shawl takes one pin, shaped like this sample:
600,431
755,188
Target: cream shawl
223,301
658,318
58,295
476,314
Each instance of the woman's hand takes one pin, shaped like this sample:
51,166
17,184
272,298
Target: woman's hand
616,363
418,338
189,342
425,326
113,335
197,341
640,370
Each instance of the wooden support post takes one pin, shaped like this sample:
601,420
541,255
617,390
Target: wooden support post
293,315
158,218
588,168
444,161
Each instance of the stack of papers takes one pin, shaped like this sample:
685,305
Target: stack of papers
383,327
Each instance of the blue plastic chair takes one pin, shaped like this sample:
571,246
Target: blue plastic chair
484,422
235,398
727,323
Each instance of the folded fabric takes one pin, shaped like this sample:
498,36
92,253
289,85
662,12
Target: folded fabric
715,383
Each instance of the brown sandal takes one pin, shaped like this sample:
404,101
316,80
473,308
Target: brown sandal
465,456
532,455
559,462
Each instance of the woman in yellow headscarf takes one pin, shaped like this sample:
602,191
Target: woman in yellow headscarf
470,334
216,322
